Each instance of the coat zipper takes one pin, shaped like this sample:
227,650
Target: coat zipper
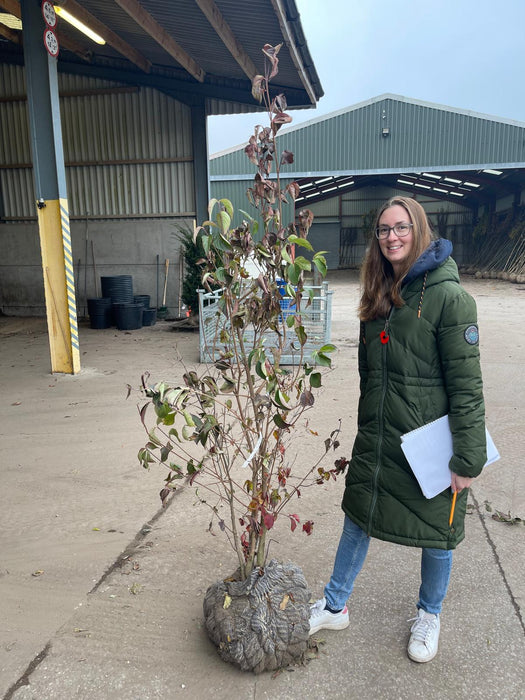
384,336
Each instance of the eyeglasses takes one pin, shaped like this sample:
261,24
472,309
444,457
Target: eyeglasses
401,229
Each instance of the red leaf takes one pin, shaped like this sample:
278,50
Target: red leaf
269,520
287,158
294,520
308,527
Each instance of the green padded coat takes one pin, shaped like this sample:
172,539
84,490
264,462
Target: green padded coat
428,367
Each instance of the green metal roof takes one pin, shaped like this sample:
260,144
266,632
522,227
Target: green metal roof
391,136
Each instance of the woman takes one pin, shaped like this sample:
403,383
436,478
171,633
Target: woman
418,360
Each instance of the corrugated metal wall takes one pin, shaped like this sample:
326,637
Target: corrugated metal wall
128,151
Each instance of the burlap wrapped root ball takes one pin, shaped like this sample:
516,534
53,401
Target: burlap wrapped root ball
260,624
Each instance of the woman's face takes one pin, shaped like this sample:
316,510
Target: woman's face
396,248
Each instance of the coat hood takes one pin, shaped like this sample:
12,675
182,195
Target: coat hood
433,257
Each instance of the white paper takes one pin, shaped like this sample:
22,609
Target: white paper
428,451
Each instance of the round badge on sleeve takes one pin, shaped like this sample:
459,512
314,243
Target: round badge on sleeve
472,335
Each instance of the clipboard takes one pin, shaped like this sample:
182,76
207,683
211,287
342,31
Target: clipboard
428,450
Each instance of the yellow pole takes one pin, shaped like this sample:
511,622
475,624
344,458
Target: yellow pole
59,285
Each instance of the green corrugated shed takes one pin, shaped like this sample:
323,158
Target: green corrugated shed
419,135
444,157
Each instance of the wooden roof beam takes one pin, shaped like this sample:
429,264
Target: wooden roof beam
10,34
11,6
105,32
292,48
150,25
217,21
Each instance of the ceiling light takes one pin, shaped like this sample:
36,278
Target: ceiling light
471,184
435,177
79,25
451,179
456,194
325,179
493,172
345,184
10,21
329,189
438,189
424,187
405,182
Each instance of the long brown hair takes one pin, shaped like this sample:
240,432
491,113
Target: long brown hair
381,287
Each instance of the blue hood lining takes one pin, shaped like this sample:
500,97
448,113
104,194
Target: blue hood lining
434,256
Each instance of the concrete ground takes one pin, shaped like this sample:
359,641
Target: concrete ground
101,592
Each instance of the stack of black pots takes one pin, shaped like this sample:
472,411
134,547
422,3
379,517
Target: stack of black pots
149,314
100,312
127,315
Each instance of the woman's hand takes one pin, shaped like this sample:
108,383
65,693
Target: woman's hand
460,482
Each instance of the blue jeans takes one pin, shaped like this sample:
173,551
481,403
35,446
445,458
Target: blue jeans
436,565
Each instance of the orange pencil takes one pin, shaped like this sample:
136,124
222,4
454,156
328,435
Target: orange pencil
452,507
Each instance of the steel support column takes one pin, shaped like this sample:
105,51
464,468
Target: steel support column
51,194
199,133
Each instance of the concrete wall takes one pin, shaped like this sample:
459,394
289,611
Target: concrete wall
121,248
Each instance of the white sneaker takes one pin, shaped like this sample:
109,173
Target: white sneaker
424,638
320,618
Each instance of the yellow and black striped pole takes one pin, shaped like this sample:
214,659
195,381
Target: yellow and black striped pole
59,285
51,195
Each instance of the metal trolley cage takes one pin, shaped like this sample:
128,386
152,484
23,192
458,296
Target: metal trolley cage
317,320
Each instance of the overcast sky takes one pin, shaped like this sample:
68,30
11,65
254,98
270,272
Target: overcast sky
468,54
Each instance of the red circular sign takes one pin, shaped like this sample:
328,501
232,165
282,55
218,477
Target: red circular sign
51,42
48,11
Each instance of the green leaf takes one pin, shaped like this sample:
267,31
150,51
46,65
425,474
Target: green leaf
221,243
281,399
321,359
327,348
280,422
286,256
228,206
188,418
211,384
211,207
187,432
222,275
301,335
165,451
302,263
254,224
293,273
228,386
315,380
262,251
173,432
154,439
260,369
145,458
320,262
303,242
206,243
224,221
